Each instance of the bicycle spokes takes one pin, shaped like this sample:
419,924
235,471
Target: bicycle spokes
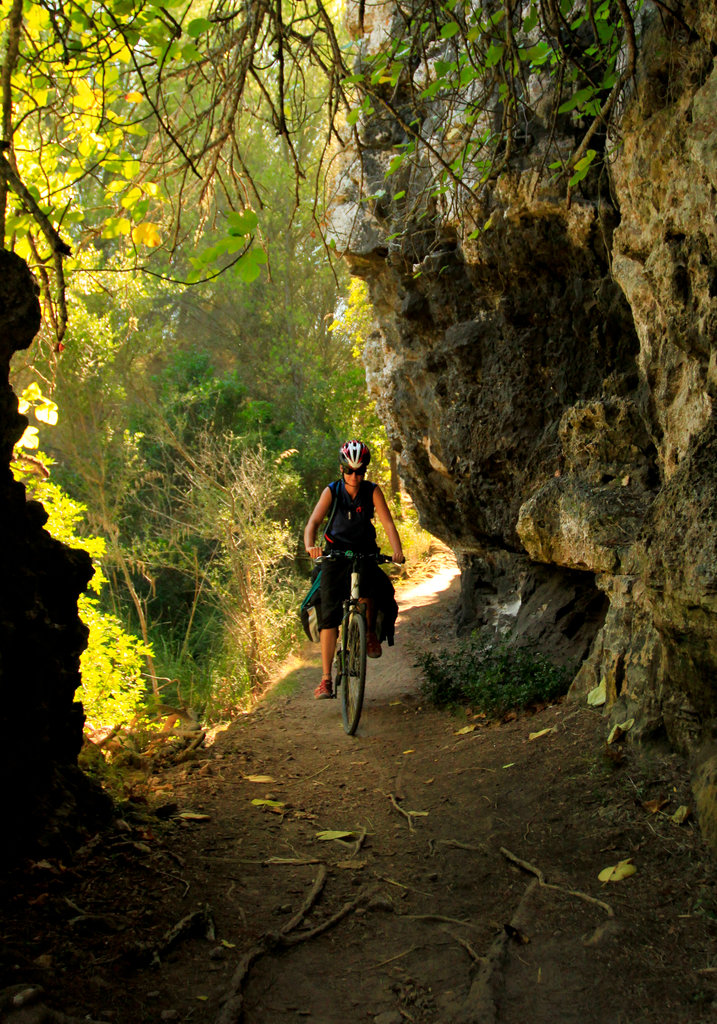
354,674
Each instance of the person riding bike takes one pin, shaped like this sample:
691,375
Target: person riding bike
352,501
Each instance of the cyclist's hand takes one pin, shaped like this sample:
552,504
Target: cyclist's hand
314,552
398,558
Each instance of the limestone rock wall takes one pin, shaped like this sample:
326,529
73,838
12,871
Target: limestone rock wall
549,384
41,636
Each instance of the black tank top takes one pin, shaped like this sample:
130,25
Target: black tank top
350,527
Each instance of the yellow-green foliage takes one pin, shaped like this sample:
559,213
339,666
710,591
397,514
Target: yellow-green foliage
112,690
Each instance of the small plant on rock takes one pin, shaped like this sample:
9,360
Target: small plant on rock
491,677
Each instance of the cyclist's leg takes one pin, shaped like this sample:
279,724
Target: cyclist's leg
328,638
333,587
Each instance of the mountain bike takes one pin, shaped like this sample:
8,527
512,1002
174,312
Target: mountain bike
349,668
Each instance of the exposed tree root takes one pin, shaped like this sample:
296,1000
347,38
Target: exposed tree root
230,1012
433,843
444,920
359,843
480,1006
308,903
531,869
198,922
475,957
272,861
408,815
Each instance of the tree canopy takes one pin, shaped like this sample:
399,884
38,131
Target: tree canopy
125,122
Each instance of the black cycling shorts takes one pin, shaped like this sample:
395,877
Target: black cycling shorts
336,583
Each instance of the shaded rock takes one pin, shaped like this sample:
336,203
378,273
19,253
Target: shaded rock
704,784
41,635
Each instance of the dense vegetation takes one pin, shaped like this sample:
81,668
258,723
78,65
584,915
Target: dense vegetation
492,678
188,470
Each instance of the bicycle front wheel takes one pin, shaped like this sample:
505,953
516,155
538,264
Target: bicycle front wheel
354,674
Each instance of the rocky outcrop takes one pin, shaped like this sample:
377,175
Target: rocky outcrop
41,636
546,369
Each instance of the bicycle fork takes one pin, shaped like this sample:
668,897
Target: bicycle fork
351,603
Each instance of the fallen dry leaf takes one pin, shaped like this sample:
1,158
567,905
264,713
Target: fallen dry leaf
653,806
618,731
681,815
193,816
537,735
329,834
259,778
597,696
616,873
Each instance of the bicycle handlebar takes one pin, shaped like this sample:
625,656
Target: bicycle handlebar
376,556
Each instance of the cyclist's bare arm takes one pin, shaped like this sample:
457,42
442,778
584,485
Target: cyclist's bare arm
384,514
315,520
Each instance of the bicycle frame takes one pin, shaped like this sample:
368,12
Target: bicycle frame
351,604
349,669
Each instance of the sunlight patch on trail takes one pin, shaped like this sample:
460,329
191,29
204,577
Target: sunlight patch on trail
428,591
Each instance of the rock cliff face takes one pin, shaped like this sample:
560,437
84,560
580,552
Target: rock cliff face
549,385
41,636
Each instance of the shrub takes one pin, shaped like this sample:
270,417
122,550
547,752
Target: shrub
492,678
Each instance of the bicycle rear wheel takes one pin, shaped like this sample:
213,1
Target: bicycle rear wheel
354,675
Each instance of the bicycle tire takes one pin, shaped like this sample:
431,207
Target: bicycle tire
353,678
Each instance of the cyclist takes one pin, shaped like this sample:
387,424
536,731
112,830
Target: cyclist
351,502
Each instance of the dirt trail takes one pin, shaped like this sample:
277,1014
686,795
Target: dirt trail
466,892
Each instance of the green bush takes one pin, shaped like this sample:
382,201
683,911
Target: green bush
492,678
113,688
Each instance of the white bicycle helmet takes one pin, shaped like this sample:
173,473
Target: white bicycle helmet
354,455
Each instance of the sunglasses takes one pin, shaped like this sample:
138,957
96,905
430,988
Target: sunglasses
354,472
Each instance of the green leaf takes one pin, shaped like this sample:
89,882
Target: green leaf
395,164
531,19
450,30
198,26
576,100
539,53
583,166
190,53
116,226
493,54
243,223
249,266
443,67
